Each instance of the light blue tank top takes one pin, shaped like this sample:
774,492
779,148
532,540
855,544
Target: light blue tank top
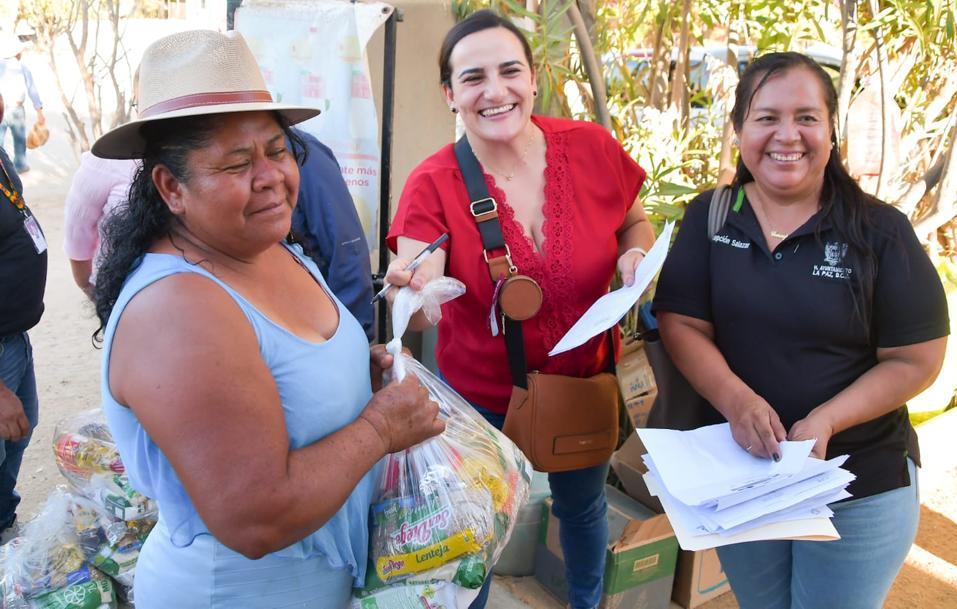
322,386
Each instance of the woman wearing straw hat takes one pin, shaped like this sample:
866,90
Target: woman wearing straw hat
236,385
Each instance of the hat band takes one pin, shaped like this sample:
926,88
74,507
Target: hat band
206,99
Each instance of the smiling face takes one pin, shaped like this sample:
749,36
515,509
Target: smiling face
785,137
242,185
491,85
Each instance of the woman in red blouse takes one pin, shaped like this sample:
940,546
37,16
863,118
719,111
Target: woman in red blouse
567,201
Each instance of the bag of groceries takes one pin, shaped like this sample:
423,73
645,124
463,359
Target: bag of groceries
111,519
87,457
45,567
110,544
444,509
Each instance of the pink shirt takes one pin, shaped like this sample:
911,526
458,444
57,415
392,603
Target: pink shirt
99,185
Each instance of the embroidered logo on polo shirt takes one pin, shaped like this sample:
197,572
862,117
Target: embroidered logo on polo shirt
834,253
732,242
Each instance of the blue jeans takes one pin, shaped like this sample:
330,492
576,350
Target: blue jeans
855,572
16,371
16,120
578,501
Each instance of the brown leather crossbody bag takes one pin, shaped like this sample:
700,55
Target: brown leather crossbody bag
561,423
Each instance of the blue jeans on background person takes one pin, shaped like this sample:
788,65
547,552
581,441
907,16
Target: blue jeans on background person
578,501
16,371
15,119
854,572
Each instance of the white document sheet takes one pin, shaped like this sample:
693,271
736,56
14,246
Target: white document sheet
691,538
782,498
812,508
703,464
804,497
610,308
814,467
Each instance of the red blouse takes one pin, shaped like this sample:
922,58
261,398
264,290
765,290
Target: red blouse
590,183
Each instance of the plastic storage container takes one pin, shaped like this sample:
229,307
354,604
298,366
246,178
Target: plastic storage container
518,557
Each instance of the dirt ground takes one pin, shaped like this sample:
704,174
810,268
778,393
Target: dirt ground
67,369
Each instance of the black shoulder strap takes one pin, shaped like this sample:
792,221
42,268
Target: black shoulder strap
718,209
492,238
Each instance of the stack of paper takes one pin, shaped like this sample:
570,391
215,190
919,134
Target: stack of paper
715,493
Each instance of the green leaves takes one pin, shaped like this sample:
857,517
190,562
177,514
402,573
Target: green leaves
634,41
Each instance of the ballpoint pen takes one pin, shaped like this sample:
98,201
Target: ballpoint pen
414,264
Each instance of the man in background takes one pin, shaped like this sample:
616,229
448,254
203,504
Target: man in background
16,85
326,222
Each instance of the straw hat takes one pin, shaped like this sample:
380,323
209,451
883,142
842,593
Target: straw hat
38,136
194,73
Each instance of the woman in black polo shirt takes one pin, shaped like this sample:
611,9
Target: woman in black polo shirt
813,313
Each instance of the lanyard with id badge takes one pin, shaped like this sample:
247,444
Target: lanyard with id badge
30,223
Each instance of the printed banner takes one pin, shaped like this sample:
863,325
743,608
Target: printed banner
313,54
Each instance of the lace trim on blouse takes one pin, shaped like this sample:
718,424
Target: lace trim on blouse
551,269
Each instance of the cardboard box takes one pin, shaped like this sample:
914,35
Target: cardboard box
639,565
638,407
635,376
699,576
628,466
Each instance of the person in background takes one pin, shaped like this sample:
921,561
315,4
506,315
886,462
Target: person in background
16,85
326,222
250,416
567,196
23,272
98,187
814,313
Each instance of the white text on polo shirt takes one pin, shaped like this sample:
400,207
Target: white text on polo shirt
732,242
833,255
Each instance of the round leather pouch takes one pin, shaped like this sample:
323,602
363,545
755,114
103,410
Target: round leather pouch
520,297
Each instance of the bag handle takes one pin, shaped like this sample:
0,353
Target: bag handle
718,209
485,211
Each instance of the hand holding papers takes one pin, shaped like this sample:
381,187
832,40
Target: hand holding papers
611,307
715,493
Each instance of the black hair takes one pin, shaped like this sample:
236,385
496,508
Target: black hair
134,226
843,204
484,19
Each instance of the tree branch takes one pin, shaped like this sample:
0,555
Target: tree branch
849,62
944,207
592,68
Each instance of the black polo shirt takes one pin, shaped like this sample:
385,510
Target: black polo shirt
23,272
785,319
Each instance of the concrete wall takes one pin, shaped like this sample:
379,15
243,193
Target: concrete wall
422,121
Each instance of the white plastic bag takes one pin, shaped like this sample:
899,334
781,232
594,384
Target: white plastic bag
45,567
87,457
444,509
110,544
